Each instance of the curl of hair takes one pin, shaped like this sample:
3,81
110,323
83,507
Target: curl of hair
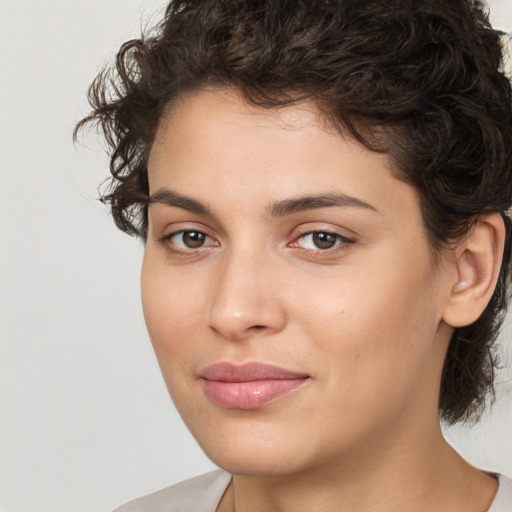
420,81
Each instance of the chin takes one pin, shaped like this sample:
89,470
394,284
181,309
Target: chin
254,463
257,449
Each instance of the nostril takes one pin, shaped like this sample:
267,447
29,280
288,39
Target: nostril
257,329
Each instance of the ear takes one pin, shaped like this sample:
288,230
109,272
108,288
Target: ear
478,262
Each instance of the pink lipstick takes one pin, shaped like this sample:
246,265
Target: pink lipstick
248,386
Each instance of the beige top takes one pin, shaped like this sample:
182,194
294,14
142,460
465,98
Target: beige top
203,494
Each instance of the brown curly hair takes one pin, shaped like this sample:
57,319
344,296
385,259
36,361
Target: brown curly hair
420,81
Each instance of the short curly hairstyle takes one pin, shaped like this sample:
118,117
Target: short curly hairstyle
420,81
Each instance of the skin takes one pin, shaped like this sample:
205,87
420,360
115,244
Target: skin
365,319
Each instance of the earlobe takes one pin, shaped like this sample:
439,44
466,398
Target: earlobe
478,264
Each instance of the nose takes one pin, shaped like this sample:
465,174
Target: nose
246,300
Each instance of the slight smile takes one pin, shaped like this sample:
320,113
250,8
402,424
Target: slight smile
248,386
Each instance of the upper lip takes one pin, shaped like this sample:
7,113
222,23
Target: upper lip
230,372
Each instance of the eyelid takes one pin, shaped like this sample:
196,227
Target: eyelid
342,241
211,241
167,238
320,227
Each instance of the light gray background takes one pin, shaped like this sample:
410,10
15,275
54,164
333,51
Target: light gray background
85,421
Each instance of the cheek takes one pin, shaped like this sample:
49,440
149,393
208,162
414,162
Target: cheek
173,310
373,326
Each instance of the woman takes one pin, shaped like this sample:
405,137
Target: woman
322,189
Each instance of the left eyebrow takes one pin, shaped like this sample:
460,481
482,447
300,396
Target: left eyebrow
299,204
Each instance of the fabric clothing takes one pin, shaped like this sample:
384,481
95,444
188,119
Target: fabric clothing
203,494
199,494
503,500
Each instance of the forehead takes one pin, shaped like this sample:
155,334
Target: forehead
215,145
205,108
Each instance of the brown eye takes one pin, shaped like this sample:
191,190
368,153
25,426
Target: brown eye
324,240
188,240
193,239
320,240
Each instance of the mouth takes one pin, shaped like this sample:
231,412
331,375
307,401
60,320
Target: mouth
248,386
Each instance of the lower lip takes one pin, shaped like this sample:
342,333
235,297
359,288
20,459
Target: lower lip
249,395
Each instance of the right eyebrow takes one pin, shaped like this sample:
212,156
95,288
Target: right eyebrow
168,197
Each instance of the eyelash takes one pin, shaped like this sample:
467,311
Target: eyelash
167,241
340,243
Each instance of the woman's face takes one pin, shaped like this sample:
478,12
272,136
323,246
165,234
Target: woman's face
288,288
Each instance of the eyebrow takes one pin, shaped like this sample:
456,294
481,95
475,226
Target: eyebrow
282,208
299,204
169,198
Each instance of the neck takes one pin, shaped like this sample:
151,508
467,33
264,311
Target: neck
408,474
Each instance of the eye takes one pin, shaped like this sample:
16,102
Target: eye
188,240
320,240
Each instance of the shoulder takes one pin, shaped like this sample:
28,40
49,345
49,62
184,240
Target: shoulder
199,494
503,500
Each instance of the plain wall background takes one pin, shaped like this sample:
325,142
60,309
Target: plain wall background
85,420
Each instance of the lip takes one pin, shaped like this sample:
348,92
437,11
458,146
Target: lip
248,386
